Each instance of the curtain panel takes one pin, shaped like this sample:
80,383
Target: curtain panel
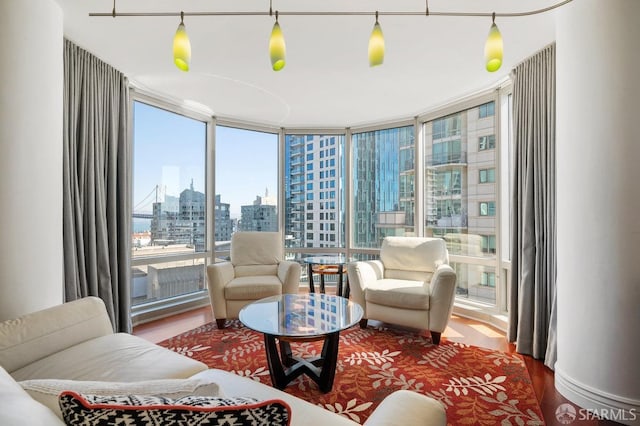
96,184
532,291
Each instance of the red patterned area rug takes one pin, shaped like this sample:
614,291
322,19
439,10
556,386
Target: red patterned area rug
476,385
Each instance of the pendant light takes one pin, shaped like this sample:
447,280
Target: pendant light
277,48
493,48
376,45
181,46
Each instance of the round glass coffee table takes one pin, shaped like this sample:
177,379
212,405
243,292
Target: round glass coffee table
301,318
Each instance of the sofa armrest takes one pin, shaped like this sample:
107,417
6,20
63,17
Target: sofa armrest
443,292
219,275
17,408
34,336
360,275
289,275
404,407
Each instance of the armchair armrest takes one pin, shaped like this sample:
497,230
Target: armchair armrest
360,275
404,407
219,275
443,291
289,275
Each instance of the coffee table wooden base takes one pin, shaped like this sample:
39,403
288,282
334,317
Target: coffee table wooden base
284,367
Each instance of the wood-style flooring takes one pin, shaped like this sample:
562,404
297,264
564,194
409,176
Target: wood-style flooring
460,329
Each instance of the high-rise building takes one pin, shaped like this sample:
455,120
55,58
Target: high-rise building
223,222
383,185
460,192
180,220
313,191
262,215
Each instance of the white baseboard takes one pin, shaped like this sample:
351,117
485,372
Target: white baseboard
597,402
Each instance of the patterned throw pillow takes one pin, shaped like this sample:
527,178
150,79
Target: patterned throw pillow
93,410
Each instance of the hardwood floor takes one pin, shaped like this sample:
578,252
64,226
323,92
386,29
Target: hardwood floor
459,329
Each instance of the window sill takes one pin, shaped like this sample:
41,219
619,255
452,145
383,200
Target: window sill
481,313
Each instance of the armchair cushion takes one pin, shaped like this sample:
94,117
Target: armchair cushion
256,248
413,254
253,287
403,294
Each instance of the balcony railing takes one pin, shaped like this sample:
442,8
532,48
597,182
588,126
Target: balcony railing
446,158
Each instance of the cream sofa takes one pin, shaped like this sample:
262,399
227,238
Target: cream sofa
74,343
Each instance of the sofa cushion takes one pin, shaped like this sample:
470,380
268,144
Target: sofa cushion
404,294
116,357
91,410
47,391
17,408
253,288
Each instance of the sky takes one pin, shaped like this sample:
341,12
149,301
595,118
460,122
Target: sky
170,152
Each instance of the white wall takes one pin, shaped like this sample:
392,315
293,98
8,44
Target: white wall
598,202
31,66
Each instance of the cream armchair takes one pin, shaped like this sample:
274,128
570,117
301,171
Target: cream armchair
411,285
256,270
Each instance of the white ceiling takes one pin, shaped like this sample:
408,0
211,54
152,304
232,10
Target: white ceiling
327,81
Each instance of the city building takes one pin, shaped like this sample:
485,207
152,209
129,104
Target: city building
313,191
223,222
383,185
262,215
181,222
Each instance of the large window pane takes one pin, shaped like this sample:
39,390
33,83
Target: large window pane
246,183
475,282
314,191
383,163
460,193
169,213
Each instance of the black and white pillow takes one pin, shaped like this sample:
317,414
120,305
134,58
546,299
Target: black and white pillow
94,410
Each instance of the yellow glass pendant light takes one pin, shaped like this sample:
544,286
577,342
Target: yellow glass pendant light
277,47
493,48
181,46
376,45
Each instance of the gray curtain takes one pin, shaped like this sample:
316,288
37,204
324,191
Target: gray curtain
532,292
96,186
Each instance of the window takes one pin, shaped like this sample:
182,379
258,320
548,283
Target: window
169,205
486,110
488,279
487,175
447,152
378,208
487,208
310,226
489,244
486,142
456,207
295,221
